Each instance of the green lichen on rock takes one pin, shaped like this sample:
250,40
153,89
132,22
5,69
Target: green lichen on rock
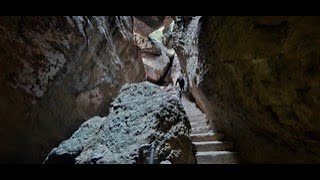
157,35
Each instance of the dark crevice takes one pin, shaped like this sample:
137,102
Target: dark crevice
273,114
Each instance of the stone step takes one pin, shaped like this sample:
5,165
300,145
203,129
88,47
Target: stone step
213,146
195,120
206,137
199,124
190,102
192,109
189,106
196,115
204,129
217,157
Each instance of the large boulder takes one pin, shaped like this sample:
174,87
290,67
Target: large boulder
142,113
156,60
146,45
56,72
155,66
156,56
141,41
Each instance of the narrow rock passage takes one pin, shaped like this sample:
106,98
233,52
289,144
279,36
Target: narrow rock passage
211,149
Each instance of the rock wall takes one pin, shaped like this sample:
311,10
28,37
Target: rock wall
56,72
158,56
141,114
144,25
260,83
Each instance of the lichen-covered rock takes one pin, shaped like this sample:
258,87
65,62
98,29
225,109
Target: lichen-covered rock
262,84
141,41
157,35
141,113
56,72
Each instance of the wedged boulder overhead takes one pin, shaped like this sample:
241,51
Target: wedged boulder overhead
155,65
141,41
155,56
56,72
140,114
156,48
144,25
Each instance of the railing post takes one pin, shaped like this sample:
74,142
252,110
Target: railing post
152,153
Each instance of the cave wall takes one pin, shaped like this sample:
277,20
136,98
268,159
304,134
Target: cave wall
56,72
261,83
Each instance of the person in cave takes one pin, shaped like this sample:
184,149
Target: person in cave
180,80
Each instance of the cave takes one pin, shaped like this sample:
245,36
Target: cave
103,89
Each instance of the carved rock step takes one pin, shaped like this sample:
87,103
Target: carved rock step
199,124
213,146
206,137
204,129
193,110
196,115
195,120
217,157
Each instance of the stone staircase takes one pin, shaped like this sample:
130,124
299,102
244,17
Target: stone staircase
211,149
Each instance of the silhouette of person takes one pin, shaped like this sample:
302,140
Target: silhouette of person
180,80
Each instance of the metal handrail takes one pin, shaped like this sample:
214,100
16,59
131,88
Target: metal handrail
152,153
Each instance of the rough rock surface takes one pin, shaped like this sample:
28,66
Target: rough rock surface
141,113
141,41
155,65
146,45
262,87
167,31
56,72
157,51
167,23
144,25
175,69
186,46
156,48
